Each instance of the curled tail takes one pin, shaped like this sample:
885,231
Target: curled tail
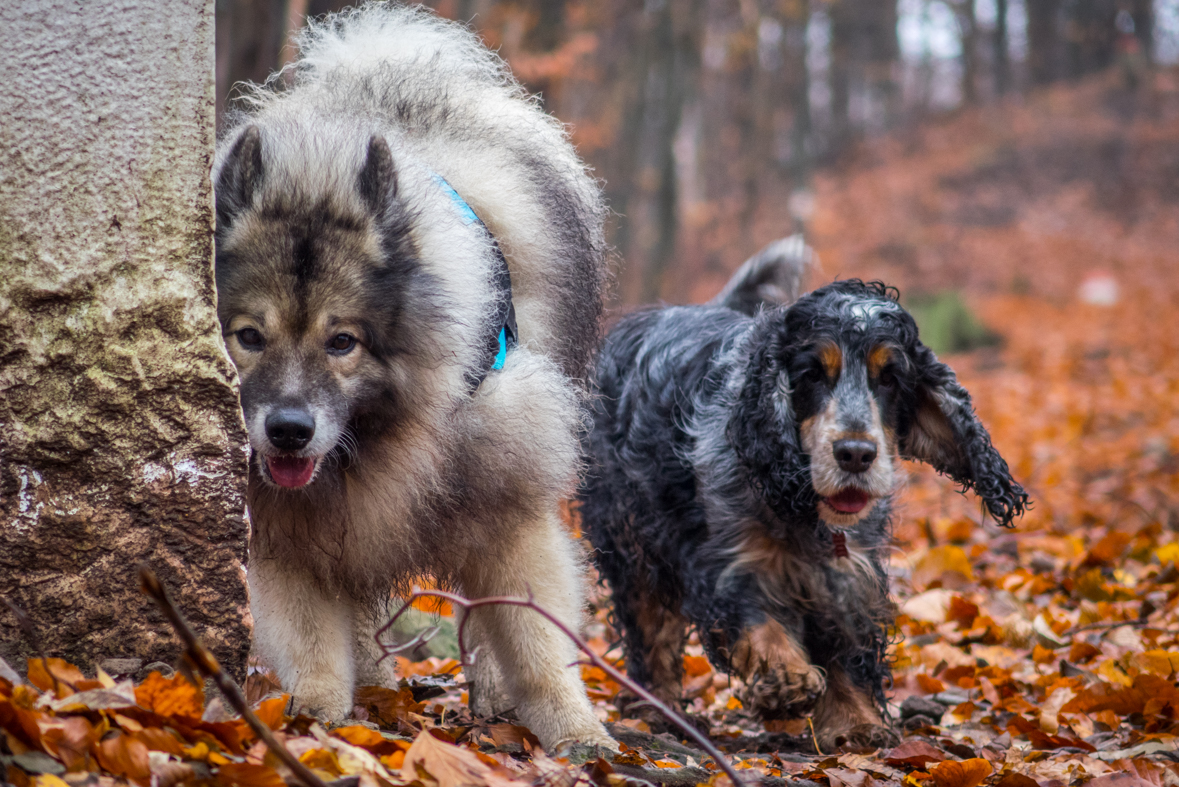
378,35
773,276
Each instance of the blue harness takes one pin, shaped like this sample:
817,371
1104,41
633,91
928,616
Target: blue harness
502,334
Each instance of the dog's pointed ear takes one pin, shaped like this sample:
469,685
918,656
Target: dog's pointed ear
947,434
240,176
378,177
762,429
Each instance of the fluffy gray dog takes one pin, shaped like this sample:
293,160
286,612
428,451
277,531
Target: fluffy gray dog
409,267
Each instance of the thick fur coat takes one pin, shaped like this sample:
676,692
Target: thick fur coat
744,466
364,215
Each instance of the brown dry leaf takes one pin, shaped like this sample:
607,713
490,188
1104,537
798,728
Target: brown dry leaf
695,666
389,706
914,753
123,755
444,763
157,739
947,564
1124,701
175,696
65,672
513,734
1014,779
1120,780
930,606
359,735
244,774
69,739
323,760
967,773
1108,550
272,712
842,777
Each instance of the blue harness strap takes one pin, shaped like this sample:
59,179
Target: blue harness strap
502,333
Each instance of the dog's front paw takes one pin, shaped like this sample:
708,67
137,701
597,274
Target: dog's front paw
327,701
861,737
785,689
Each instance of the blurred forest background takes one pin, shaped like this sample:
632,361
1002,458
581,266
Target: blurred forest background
1011,165
713,123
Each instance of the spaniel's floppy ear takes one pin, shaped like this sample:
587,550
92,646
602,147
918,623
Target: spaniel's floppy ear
762,431
947,434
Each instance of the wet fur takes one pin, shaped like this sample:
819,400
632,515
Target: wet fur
708,445
331,219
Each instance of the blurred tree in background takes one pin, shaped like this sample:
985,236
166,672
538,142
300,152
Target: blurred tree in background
706,119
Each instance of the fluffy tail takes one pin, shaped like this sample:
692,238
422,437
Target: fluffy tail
773,276
377,35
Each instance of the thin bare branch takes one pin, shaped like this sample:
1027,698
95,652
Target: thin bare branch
206,664
30,632
594,659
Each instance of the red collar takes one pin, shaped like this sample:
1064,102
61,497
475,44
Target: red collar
839,543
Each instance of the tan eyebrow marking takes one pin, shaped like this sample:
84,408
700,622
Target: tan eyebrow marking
831,356
877,359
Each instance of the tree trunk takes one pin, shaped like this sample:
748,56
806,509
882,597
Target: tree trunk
968,31
121,441
1043,41
1002,59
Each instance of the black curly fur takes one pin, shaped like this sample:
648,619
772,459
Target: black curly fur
696,448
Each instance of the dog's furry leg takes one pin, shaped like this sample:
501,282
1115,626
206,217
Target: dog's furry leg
366,619
780,680
846,714
306,636
536,659
655,635
489,696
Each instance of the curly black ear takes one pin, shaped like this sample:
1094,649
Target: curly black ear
240,177
762,431
947,434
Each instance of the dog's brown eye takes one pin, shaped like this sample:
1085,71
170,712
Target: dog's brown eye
341,344
250,339
886,379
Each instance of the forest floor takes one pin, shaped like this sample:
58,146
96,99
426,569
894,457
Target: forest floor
1046,655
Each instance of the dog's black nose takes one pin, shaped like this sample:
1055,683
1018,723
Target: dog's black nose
290,428
854,456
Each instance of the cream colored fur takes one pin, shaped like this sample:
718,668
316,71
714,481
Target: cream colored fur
466,487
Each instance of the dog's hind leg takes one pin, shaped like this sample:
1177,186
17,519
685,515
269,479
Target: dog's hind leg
488,693
367,619
655,634
306,636
535,658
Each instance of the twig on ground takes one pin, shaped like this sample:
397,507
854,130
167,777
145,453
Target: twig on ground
30,632
593,659
206,664
1109,626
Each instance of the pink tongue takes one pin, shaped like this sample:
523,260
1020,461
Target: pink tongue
290,471
849,501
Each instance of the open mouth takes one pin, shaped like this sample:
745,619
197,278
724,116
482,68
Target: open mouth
290,471
848,501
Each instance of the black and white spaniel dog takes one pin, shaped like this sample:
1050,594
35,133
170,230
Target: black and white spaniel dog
743,468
